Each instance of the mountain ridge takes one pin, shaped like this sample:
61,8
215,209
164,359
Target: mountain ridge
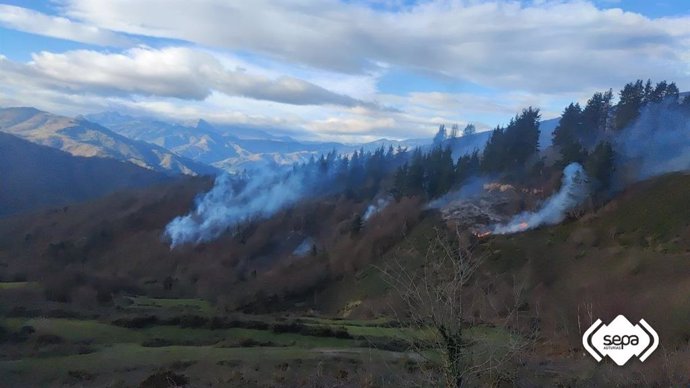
36,176
81,137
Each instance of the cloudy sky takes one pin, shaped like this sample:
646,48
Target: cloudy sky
345,70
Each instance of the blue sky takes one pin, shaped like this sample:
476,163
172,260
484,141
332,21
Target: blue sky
334,70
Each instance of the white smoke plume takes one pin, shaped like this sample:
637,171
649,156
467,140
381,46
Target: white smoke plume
658,142
304,248
472,187
574,190
228,204
376,208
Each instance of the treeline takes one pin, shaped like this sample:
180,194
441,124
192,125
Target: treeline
510,148
583,135
360,175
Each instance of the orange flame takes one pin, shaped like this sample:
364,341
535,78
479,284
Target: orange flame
523,225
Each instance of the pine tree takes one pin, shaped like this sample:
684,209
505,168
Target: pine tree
494,152
467,166
415,173
441,135
648,91
470,129
672,92
454,131
567,135
400,182
440,171
599,166
628,108
659,92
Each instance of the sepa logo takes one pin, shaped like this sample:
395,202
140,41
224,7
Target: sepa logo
620,340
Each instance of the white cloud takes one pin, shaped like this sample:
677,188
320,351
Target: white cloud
549,46
178,72
34,22
309,65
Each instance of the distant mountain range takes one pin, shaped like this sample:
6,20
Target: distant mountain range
34,176
197,148
80,137
230,148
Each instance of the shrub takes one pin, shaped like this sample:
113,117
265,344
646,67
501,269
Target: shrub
136,322
164,379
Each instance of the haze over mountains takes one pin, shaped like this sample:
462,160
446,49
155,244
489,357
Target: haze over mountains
232,148
199,148
35,176
80,137
95,145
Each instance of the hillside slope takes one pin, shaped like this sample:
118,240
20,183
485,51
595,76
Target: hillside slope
630,257
83,138
34,176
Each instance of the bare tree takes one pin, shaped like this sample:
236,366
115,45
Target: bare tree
433,298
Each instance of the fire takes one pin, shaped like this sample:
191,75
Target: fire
523,225
483,234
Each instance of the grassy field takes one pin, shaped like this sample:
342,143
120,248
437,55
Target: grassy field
68,351
18,285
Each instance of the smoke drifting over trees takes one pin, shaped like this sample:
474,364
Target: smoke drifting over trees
262,193
602,147
657,142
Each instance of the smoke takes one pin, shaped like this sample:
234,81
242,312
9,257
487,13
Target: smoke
658,142
574,190
474,186
376,208
304,248
229,203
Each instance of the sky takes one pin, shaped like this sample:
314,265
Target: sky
344,70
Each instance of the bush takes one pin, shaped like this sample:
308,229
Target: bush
291,327
49,339
156,343
164,379
136,322
80,375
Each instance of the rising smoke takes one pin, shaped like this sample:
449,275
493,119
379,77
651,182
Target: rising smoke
376,207
472,187
658,142
574,190
229,203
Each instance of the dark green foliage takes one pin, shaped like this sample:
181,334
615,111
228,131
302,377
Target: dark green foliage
672,91
595,117
567,135
431,174
440,172
631,99
469,130
511,147
492,158
599,166
636,95
467,166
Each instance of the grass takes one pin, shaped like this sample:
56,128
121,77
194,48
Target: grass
18,285
198,306
96,332
348,322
